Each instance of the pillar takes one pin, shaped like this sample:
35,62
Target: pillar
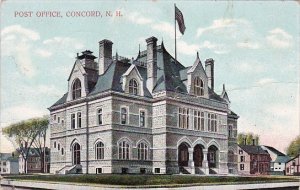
205,162
191,161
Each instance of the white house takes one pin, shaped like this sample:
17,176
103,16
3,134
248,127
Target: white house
8,164
278,161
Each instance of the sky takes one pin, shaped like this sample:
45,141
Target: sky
255,45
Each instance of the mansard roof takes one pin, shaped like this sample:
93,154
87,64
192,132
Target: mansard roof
171,75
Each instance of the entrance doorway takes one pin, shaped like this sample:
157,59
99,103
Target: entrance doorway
76,154
183,154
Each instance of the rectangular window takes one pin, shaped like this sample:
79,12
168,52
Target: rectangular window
183,118
99,116
202,121
72,121
54,117
230,131
157,170
242,167
242,159
124,170
78,120
124,116
208,122
58,119
142,170
98,170
199,120
142,118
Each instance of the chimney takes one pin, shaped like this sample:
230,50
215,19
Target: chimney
151,63
253,142
105,55
245,141
209,69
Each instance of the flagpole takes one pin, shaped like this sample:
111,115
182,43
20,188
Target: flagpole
175,32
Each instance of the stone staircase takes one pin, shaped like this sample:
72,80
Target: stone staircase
70,169
199,170
213,170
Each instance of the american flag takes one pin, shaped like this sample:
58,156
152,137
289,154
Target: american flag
180,21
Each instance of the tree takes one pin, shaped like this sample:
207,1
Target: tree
294,148
26,134
248,137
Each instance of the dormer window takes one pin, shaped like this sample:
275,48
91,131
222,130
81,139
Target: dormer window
76,89
133,87
198,87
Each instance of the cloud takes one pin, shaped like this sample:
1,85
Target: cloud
65,45
166,28
216,48
17,43
26,34
20,112
278,38
219,25
187,49
248,67
43,53
265,81
63,42
248,45
137,18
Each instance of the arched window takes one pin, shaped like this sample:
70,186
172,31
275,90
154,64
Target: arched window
142,151
62,151
99,151
76,89
198,87
58,146
123,150
133,87
54,144
76,154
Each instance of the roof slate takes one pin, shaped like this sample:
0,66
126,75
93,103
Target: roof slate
250,149
170,76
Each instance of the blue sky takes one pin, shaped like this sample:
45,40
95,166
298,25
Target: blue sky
255,46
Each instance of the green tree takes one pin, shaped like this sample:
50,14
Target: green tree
248,137
240,138
25,135
294,148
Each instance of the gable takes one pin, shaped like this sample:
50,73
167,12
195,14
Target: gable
78,72
77,67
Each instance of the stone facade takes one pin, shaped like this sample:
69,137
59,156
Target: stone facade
132,121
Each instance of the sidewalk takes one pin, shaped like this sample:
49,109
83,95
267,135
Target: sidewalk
74,186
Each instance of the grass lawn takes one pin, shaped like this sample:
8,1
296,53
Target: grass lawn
137,180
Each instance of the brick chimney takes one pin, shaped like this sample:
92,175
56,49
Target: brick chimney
151,63
209,69
105,55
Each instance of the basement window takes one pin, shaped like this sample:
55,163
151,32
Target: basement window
98,170
157,170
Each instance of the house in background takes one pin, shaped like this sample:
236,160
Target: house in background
8,164
292,167
34,164
277,165
253,159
